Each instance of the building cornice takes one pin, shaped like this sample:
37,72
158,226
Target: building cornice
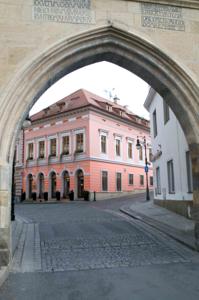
96,159
193,4
91,108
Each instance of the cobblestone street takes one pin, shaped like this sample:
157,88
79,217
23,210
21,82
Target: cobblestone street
84,236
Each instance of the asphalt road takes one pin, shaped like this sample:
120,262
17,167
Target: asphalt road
87,250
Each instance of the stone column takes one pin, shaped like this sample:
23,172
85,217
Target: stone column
5,212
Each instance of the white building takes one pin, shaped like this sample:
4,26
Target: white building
171,158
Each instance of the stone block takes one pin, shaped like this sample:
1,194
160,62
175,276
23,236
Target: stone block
5,238
178,206
4,198
4,257
4,182
4,216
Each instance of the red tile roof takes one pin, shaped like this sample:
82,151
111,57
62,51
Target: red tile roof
82,98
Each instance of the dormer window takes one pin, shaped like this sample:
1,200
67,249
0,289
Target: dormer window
108,107
61,105
46,110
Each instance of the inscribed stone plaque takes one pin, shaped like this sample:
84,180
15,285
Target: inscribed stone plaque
63,11
162,16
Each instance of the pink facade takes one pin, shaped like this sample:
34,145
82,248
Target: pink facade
83,142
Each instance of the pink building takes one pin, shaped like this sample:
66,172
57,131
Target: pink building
82,143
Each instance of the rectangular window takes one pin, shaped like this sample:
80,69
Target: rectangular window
141,179
30,151
166,112
171,182
118,147
41,149
189,173
103,143
155,130
79,142
140,153
104,181
130,150
130,179
53,147
118,182
151,180
65,145
158,182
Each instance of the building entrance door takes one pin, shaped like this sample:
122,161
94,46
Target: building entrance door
66,184
41,186
53,185
80,184
30,183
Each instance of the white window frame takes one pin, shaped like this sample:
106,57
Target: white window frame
41,140
62,135
171,176
49,142
27,147
84,139
118,137
103,133
155,125
158,180
129,141
107,181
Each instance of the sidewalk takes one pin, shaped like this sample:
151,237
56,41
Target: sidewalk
172,224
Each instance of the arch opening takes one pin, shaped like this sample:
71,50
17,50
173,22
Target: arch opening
79,190
65,184
52,185
127,50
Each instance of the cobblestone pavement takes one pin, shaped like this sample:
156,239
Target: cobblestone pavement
79,236
87,250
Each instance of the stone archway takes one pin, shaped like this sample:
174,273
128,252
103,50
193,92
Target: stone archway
173,82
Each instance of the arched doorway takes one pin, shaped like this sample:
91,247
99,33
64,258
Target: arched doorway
80,183
65,184
53,185
40,185
29,186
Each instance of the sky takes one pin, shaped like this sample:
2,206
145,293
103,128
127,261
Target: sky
104,79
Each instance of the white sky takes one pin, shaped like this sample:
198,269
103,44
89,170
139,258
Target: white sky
99,78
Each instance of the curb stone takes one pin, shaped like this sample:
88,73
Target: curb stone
161,227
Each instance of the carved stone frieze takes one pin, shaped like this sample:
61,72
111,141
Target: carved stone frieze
180,3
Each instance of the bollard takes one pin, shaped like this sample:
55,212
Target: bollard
94,199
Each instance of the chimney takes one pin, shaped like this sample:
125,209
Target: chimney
116,99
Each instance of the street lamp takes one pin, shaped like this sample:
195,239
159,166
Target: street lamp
146,168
